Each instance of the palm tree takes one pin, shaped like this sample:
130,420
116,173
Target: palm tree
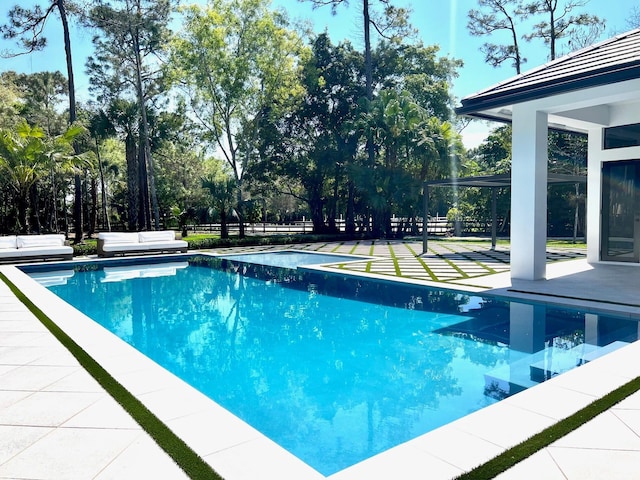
26,155
23,162
395,122
223,192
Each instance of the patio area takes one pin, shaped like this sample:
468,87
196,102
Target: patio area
57,422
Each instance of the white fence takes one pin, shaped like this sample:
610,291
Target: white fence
435,226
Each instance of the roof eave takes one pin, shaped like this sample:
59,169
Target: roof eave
480,106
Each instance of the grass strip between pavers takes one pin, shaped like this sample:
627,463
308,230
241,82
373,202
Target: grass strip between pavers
188,460
423,263
520,452
396,265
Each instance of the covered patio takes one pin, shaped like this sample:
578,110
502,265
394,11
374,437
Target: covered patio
594,91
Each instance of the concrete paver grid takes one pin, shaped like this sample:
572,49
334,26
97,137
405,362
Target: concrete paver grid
444,261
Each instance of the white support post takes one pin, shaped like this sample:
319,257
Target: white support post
594,199
529,193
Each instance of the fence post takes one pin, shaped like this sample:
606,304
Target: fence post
425,216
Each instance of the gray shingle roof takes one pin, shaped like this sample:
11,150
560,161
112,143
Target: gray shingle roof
614,60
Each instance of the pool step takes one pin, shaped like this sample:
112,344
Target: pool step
564,360
535,368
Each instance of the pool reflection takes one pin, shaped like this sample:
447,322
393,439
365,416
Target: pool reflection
337,369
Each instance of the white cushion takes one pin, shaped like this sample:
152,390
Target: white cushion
8,242
118,237
121,247
166,244
9,253
50,240
159,236
140,247
36,252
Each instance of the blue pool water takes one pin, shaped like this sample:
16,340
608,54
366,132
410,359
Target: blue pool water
291,258
333,368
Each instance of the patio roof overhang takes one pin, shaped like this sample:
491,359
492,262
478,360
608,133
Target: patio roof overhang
503,180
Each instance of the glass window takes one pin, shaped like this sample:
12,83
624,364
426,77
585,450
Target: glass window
622,136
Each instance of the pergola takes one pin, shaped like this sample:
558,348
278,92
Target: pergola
493,182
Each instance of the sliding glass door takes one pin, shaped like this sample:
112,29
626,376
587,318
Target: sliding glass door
621,211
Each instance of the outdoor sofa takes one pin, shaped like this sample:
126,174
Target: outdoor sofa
15,248
122,243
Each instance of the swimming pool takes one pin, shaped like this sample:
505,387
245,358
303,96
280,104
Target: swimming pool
333,368
292,258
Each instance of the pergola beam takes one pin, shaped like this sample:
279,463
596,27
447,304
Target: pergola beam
490,181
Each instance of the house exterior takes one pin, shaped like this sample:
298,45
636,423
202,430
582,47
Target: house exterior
595,91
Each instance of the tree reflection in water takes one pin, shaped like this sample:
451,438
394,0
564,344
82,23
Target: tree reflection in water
333,368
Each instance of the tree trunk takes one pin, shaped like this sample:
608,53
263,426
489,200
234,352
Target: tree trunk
93,212
35,209
103,191
133,184
240,209
315,207
144,214
77,206
54,193
576,215
224,229
350,226
145,129
23,212
368,67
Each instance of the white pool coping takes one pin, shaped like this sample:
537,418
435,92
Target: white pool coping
237,451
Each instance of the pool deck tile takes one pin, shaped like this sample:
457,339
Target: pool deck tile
55,418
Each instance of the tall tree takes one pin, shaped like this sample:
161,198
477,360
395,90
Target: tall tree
27,25
41,96
100,127
633,19
134,33
420,71
239,63
391,23
314,146
498,16
124,117
559,22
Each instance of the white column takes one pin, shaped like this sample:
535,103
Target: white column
594,199
528,194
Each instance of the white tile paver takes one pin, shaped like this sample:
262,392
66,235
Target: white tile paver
56,422
580,464
72,453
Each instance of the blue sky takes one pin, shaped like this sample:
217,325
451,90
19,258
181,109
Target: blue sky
441,22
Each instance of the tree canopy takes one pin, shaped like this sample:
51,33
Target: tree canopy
226,112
